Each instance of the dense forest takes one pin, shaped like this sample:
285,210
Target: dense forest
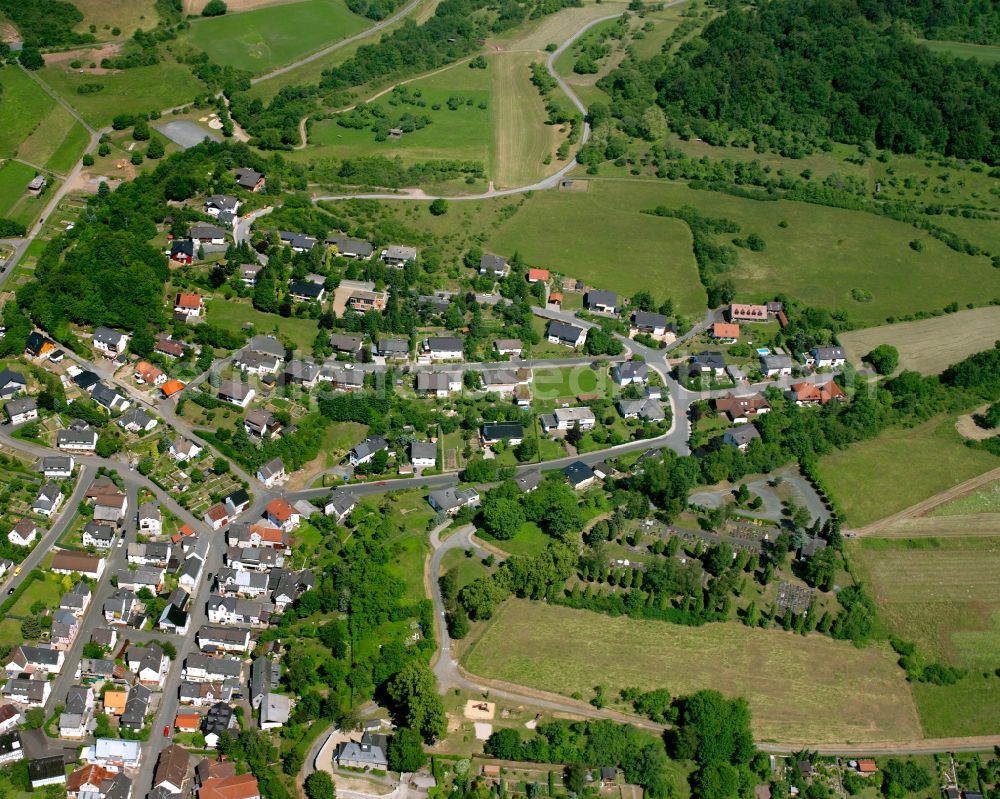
963,20
829,70
46,23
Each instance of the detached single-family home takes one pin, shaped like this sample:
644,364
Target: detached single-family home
581,418
11,750
11,383
646,409
815,393
208,235
367,450
56,466
150,518
347,344
113,754
538,275
301,373
510,432
368,754
630,372
250,179
272,472
350,248
202,668
364,300
21,410
711,365
78,712
282,515
28,691
30,660
828,357
144,577
99,536
740,436
76,440
189,304
249,273
438,384
24,533
509,346
109,398
451,500
237,610
601,301
444,348
172,770
726,332
49,498
299,242
221,203
742,312
398,256
213,638
580,475
137,421
110,342
423,454
239,394
652,324
267,345
275,710
307,291
741,409
182,251
339,504
149,663
495,265
183,450
77,599
66,562
169,347
566,334
773,365
47,770
238,786
393,348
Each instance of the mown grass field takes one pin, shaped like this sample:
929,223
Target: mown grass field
970,707
988,54
463,134
233,315
599,236
537,34
982,500
15,203
804,689
903,466
27,105
268,37
56,143
931,345
568,382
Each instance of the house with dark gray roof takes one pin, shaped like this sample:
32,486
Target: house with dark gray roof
601,301
299,242
452,499
393,348
579,474
740,436
566,334
249,179
11,383
367,449
351,248
495,265
109,341
21,410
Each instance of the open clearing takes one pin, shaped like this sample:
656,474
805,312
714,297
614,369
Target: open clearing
521,137
268,37
982,500
14,179
802,689
903,466
929,346
26,105
556,27
127,15
599,236
233,315
989,54
56,143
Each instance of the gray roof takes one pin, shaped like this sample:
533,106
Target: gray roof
444,343
370,446
449,498
828,353
528,480
106,335
646,319
341,342
393,345
769,362
743,434
76,699
77,437
349,246
436,381
423,450
272,467
53,463
596,297
298,240
564,332
302,371
224,667
19,406
492,263
709,359
137,417
631,370
223,202
207,232
247,178
234,389
268,345
398,252
577,472
105,395
342,500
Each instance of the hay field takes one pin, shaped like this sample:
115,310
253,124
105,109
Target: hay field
929,346
558,27
801,689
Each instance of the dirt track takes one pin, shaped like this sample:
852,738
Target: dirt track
884,527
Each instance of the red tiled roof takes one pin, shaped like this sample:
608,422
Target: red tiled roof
280,510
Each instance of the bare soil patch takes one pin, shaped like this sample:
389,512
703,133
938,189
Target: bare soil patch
480,711
88,55
967,427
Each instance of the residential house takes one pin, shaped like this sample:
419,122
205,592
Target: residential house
249,273
528,481
773,365
566,334
119,607
149,663
272,472
64,629
274,711
302,373
47,770
11,750
257,535
265,676
86,380
49,498
342,378
828,357
495,265
110,507
725,332
707,365
207,235
27,690
365,451
206,694
76,440
219,719
189,722
152,553
87,781
393,348
347,344
77,599
182,251
740,436
109,398
339,504
183,450
237,610
741,409
150,518
56,466
249,179
364,300
299,242
233,582
238,786
350,248
282,515
239,394
236,502
257,363
29,660
815,393
538,275
290,587
110,342
77,713
189,305
99,536
11,383
113,754
169,347
510,432
646,409
581,418
143,577
172,769
267,345
652,324
601,301
137,421
368,754
202,668
38,345
444,348
10,718
509,346
398,256
67,562
21,410
438,384
742,312
451,500
217,516
307,291
170,388
223,639
580,475
24,533
630,373
423,454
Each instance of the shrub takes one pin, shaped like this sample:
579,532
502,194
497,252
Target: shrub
214,8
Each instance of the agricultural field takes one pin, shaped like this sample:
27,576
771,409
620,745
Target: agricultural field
232,315
143,89
56,143
874,479
32,105
800,689
462,133
599,236
15,202
537,34
929,346
982,500
264,38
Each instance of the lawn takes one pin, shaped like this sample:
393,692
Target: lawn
268,37
970,707
461,134
14,180
465,569
47,590
529,540
142,89
599,236
940,593
233,315
802,689
929,346
988,54
901,467
569,382
26,104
